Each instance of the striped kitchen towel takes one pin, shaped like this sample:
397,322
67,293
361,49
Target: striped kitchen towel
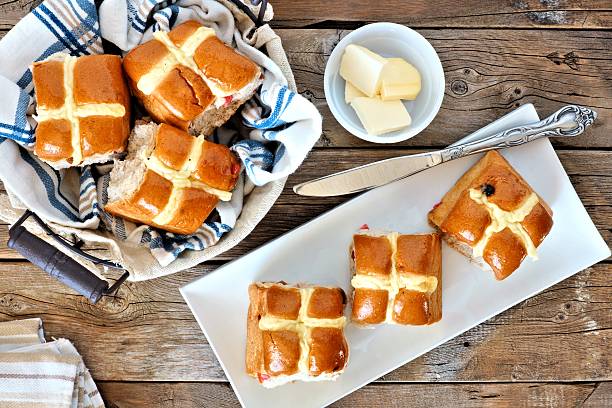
272,138
37,374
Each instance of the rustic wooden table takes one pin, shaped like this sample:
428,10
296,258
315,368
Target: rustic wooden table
145,349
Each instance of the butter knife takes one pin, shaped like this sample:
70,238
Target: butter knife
568,121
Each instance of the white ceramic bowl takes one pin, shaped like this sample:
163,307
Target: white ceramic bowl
388,40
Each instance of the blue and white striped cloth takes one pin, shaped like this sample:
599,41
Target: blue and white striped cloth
270,148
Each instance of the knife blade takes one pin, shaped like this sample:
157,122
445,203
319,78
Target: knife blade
368,176
569,121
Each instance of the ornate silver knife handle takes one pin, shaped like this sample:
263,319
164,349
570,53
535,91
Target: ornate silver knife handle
568,121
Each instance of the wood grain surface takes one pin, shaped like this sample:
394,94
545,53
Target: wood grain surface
558,14
484,395
446,13
145,349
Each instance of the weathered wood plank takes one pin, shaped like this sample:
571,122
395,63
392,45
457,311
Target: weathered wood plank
446,13
524,343
166,395
537,394
11,11
592,14
488,74
590,171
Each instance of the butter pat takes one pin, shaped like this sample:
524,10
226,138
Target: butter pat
350,92
378,116
362,68
399,80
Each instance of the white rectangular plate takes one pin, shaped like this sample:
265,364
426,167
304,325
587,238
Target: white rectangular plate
317,253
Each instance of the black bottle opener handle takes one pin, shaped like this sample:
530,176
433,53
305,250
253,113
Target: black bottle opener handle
58,264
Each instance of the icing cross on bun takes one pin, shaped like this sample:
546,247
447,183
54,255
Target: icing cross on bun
397,278
295,333
189,78
170,179
493,216
82,110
